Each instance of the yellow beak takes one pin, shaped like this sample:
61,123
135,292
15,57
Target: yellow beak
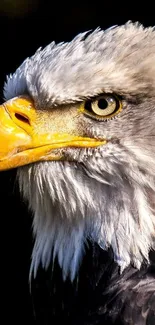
28,135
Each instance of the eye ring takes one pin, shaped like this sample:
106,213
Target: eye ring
102,107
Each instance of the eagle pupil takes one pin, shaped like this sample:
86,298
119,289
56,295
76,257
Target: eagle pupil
102,103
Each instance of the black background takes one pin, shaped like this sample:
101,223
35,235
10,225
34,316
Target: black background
25,26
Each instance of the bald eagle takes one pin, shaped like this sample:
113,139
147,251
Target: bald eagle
78,123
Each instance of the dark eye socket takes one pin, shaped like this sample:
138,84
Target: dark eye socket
87,105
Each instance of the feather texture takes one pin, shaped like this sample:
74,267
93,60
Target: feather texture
102,197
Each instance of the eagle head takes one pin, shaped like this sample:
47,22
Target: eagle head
79,123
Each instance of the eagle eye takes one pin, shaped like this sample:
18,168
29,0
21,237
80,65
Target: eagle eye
104,106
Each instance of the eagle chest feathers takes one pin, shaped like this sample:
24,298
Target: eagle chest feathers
79,125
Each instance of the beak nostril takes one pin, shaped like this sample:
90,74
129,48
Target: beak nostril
22,118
